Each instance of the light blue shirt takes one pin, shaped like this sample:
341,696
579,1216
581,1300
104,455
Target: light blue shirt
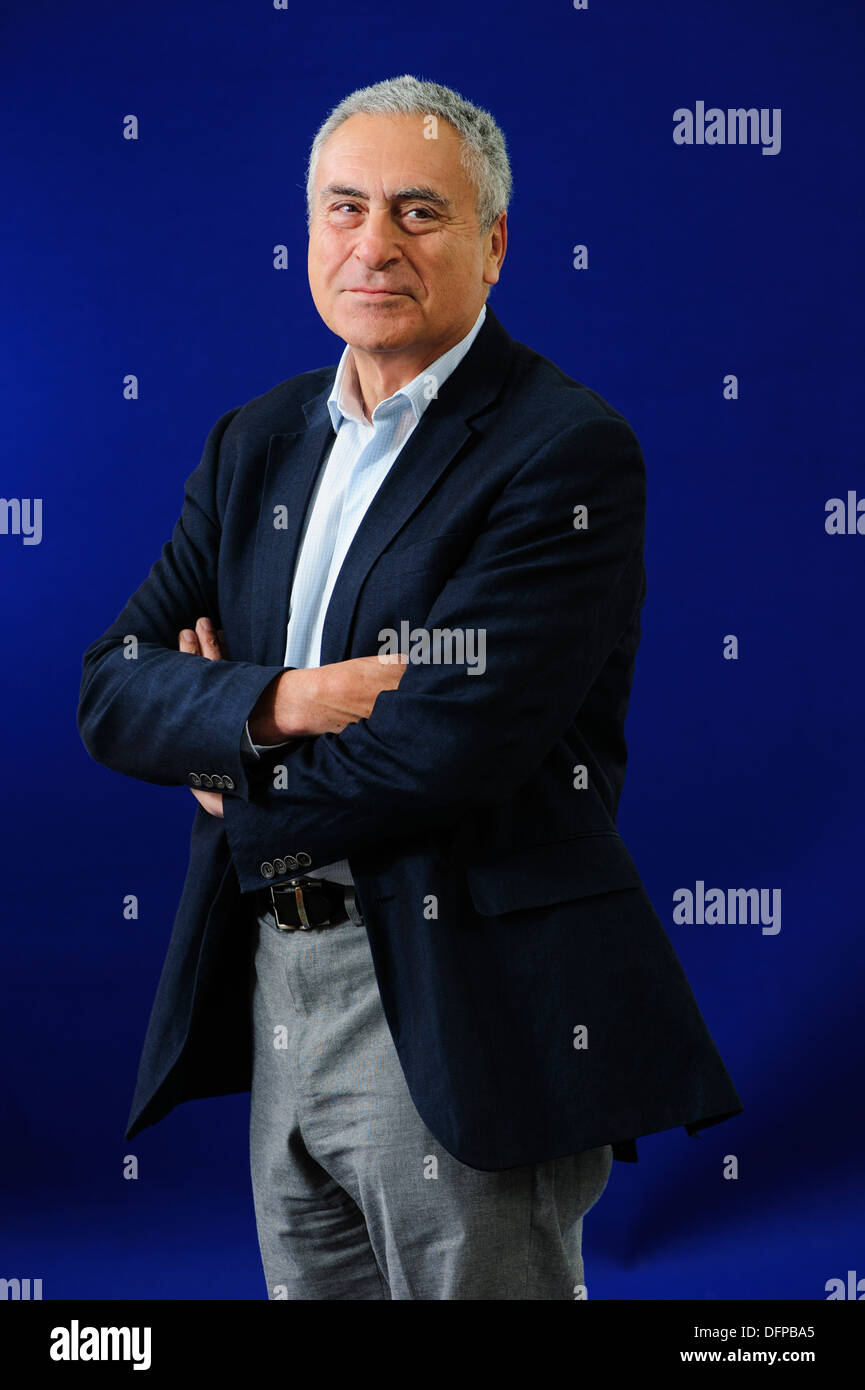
356,465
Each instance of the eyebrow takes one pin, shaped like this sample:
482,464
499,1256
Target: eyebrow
415,192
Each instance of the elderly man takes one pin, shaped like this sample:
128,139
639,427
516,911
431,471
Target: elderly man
408,593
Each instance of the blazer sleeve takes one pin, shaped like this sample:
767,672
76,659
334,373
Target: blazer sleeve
552,599
153,712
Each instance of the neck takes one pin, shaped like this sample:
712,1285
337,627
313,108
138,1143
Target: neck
380,374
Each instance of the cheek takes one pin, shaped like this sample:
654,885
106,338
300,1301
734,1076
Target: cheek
324,258
447,282
454,264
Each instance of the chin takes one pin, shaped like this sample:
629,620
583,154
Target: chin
372,330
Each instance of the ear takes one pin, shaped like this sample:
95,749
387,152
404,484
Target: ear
495,246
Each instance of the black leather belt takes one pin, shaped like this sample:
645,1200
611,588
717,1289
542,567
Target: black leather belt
300,904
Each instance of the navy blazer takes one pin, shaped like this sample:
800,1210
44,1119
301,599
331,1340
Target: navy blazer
533,996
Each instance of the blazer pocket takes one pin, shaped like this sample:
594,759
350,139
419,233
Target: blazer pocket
540,875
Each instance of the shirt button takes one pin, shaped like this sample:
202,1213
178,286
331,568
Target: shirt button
303,860
267,870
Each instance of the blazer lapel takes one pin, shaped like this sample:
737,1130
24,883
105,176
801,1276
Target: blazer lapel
293,465
293,462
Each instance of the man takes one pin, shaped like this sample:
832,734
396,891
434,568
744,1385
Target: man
409,922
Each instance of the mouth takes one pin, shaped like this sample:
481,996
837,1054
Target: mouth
376,294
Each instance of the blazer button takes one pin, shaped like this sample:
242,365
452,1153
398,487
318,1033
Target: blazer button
267,870
195,779
279,866
290,863
205,780
303,859
228,783
218,781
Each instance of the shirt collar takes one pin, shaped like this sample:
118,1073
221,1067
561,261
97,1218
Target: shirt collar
344,401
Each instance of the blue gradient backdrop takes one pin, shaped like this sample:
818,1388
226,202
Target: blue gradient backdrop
154,257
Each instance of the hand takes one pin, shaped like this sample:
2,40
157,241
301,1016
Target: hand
211,801
204,641
323,699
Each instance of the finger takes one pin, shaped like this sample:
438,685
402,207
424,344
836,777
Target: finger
188,642
390,677
389,680
208,639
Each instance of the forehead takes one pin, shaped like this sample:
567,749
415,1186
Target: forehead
381,154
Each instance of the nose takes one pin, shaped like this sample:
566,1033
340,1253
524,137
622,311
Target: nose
377,243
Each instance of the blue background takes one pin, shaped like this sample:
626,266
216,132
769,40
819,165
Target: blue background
155,257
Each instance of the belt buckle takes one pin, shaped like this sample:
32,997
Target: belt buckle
298,884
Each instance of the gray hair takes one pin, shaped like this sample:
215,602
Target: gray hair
483,153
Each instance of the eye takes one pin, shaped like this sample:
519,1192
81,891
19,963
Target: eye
425,211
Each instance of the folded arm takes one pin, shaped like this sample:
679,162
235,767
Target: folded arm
149,710
552,602
311,701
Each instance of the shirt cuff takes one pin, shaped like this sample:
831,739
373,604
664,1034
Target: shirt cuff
255,750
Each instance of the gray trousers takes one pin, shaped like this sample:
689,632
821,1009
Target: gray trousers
354,1198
